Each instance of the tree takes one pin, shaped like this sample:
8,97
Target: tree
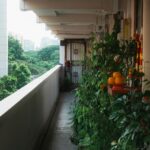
22,64
22,73
46,53
17,68
15,48
7,86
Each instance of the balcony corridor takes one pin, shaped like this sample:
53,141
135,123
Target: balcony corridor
58,137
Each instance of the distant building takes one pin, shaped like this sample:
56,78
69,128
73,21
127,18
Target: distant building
28,45
55,42
46,41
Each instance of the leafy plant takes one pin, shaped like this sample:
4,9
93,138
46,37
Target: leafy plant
131,115
102,121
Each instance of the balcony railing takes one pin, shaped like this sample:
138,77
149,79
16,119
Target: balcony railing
25,115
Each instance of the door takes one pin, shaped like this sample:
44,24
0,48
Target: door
76,56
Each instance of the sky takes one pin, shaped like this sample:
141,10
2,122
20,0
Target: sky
23,23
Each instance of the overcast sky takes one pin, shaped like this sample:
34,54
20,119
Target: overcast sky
24,23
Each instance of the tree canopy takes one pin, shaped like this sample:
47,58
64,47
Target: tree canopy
47,53
15,48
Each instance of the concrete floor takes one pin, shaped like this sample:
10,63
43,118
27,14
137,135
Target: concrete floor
58,137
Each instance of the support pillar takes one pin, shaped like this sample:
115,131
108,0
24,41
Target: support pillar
146,38
3,39
62,55
62,62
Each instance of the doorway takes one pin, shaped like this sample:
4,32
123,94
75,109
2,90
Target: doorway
75,55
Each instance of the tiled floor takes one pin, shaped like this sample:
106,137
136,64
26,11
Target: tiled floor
58,137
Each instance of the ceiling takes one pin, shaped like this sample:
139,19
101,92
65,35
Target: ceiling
71,18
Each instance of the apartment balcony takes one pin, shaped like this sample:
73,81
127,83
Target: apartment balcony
37,116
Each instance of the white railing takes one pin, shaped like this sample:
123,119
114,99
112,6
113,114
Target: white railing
25,114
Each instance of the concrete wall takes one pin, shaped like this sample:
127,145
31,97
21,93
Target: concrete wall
24,116
3,39
146,37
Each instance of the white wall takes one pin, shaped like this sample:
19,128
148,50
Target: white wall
24,115
3,39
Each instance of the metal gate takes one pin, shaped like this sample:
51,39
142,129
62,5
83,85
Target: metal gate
76,56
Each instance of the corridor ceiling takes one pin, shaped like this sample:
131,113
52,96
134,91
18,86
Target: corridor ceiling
71,18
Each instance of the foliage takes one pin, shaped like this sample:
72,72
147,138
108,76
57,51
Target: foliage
93,105
7,85
22,73
102,121
24,66
15,48
41,61
91,114
48,53
19,73
131,115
